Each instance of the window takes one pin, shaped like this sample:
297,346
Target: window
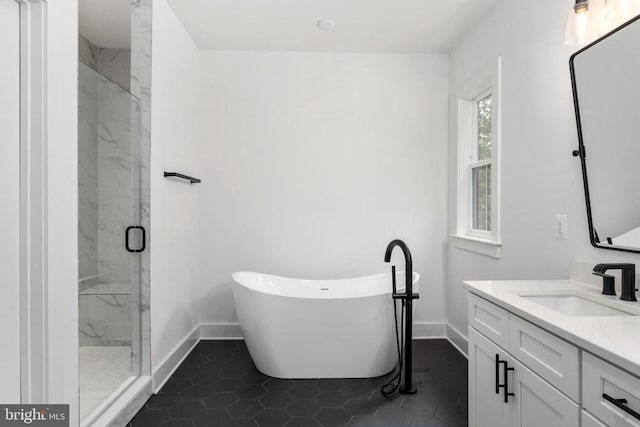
478,226
480,165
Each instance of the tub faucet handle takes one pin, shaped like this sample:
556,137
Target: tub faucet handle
395,294
393,278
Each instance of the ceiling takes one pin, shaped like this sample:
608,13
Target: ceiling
106,23
425,26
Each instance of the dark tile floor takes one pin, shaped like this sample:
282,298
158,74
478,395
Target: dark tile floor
218,385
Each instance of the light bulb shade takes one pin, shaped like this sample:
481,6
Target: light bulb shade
584,23
620,11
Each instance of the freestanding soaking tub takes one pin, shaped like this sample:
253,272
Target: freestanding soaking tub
319,328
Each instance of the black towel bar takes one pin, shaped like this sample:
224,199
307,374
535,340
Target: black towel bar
191,179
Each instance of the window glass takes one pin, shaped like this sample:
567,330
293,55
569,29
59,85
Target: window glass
482,197
483,120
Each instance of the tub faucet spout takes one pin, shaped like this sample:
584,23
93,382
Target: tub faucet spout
408,271
407,299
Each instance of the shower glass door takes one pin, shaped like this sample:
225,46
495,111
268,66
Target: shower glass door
109,259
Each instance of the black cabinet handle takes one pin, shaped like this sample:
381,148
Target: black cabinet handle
126,238
620,403
498,374
505,374
506,381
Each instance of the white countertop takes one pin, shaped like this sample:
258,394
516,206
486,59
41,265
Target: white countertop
615,339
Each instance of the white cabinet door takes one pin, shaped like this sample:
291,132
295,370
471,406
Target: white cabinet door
536,403
486,406
588,420
10,202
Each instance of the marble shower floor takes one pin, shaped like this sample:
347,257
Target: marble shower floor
102,370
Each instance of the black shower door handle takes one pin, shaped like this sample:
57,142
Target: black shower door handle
127,233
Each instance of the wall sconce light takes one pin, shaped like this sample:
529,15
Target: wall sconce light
589,19
620,11
583,22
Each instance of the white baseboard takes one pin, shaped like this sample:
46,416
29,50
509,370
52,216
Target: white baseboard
233,331
174,359
428,330
204,331
458,340
220,331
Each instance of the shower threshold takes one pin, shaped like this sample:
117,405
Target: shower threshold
122,404
105,375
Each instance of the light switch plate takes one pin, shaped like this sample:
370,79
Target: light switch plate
561,227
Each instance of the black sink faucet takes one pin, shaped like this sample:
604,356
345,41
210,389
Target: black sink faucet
628,279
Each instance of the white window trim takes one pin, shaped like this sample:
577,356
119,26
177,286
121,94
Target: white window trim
483,81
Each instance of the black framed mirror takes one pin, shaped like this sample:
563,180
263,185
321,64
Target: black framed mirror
605,77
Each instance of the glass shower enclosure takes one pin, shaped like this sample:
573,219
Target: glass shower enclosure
109,239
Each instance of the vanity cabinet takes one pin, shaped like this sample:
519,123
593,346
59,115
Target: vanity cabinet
494,375
554,383
538,359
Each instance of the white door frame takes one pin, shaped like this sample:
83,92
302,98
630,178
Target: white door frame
34,369
10,201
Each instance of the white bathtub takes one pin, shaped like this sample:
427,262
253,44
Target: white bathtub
318,328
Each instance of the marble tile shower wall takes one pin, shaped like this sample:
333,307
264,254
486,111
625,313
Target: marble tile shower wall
107,202
87,176
105,317
116,206
106,207
87,53
115,64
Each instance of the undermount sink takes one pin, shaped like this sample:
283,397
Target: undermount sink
573,305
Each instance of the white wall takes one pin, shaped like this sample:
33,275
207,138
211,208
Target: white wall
174,209
62,205
540,178
313,162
